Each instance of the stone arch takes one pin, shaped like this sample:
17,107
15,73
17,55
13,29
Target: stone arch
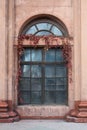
56,20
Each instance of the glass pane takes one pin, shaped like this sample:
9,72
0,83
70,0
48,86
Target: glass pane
49,81
25,70
56,31
44,26
36,97
36,84
41,33
50,87
50,55
26,55
49,71
60,87
61,71
25,97
59,55
36,55
36,71
61,81
50,84
24,84
49,97
61,97
31,30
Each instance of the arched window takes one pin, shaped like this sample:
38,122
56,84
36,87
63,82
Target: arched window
45,27
44,73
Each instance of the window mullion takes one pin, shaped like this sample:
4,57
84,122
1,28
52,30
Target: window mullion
43,77
30,80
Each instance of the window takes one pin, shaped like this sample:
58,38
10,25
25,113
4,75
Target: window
44,73
45,27
44,77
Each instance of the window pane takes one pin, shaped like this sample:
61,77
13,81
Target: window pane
25,97
60,87
49,97
50,81
36,98
26,55
56,31
49,71
50,55
36,55
31,30
60,81
41,33
50,87
61,71
61,97
44,77
44,26
24,84
36,84
50,84
36,71
59,55
25,70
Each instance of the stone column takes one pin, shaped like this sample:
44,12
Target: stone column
3,64
79,113
84,49
7,113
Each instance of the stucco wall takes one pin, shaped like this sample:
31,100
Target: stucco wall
3,76
62,10
15,13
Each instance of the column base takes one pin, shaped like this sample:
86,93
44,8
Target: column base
7,115
79,114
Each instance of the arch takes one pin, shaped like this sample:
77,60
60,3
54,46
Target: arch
37,63
44,17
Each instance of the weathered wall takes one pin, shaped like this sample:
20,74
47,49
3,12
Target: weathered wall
83,50
63,10
26,9
14,14
3,71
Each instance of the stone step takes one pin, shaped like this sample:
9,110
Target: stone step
83,109
4,115
9,120
82,114
76,120
3,109
6,120
3,104
12,114
82,104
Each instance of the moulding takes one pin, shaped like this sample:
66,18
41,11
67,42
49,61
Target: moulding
42,117
7,114
79,113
